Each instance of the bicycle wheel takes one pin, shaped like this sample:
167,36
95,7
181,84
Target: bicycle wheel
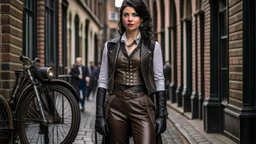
5,120
61,112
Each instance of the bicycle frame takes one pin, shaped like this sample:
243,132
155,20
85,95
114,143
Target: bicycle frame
25,79
25,82
33,81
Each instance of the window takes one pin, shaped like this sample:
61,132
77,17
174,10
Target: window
198,4
50,34
29,29
162,35
253,51
113,16
86,33
223,49
155,19
77,53
96,49
64,32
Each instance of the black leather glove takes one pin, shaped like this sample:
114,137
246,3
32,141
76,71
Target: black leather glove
100,122
161,115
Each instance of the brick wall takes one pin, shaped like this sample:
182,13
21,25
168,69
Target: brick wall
194,47
179,75
235,52
199,74
60,33
40,30
207,48
11,43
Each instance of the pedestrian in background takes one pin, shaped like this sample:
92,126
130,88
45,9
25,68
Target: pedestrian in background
167,76
79,78
93,71
131,72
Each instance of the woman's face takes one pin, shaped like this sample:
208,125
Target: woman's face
130,19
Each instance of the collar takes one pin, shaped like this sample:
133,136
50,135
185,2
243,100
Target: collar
137,39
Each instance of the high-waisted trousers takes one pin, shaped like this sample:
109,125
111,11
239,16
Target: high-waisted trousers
127,118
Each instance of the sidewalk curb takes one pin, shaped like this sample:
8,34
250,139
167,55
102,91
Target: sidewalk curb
179,127
189,131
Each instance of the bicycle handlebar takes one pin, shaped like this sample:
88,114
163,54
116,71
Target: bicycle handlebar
22,57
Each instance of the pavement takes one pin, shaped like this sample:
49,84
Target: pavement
180,130
193,130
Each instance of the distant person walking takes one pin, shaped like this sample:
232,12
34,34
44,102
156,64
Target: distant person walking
167,76
94,73
80,76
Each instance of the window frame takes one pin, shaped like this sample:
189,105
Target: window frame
50,33
77,44
223,80
30,38
64,33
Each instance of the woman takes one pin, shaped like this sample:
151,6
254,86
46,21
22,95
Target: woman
131,72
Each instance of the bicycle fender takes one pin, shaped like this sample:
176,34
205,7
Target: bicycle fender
65,84
29,88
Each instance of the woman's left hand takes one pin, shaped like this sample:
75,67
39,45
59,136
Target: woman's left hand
160,125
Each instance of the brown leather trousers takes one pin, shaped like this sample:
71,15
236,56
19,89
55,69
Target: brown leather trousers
130,115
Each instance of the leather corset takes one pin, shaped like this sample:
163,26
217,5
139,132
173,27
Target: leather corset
128,71
146,64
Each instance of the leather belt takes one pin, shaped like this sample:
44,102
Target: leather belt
134,89
127,94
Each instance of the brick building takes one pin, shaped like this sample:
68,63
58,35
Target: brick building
56,31
211,46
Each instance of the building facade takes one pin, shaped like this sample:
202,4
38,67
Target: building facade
112,19
56,31
211,46
84,30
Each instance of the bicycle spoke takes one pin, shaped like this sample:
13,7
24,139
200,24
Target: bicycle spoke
60,108
61,112
4,122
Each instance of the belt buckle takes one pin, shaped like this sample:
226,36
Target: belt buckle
127,94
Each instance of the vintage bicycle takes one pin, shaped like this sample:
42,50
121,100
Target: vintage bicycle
41,109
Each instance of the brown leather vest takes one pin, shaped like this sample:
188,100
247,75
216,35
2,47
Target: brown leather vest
146,64
128,70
